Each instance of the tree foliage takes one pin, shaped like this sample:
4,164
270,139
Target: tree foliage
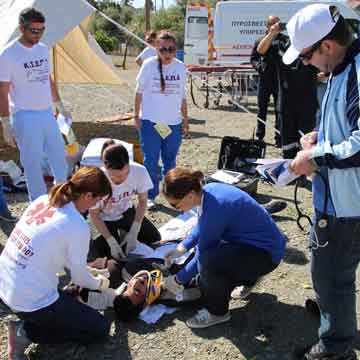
106,33
171,19
107,43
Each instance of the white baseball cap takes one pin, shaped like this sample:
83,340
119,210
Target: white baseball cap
308,26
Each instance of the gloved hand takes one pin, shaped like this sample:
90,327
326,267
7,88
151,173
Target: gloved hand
104,282
130,238
173,254
62,110
7,131
94,272
171,284
115,249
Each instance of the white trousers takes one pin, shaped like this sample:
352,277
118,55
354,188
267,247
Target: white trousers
37,134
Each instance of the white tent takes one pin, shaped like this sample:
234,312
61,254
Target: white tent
76,56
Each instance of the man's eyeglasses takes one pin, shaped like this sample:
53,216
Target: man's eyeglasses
36,31
170,49
307,56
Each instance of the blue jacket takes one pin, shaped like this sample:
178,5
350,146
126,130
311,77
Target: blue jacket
338,147
231,215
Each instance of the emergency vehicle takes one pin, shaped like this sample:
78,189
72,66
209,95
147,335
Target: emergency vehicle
226,35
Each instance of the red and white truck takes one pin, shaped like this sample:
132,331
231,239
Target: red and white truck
236,26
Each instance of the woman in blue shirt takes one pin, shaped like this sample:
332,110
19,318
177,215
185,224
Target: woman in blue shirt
235,238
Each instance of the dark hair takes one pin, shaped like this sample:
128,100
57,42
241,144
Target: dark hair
150,36
86,180
30,15
115,156
180,181
125,310
164,35
340,32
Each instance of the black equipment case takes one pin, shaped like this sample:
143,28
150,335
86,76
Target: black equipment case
239,155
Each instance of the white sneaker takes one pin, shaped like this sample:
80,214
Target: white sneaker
204,319
241,292
150,204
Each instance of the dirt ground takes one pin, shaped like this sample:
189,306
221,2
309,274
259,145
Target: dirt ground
272,324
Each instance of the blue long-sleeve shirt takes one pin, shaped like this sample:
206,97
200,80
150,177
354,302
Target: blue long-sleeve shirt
231,215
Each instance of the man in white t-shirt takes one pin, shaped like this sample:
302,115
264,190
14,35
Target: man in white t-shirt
27,92
150,50
118,214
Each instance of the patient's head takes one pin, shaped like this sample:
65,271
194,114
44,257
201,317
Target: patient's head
137,288
142,290
129,304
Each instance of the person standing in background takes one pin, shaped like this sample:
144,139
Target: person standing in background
161,110
265,65
150,50
295,112
27,92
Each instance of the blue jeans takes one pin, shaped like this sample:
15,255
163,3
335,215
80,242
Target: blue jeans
227,266
153,145
333,271
37,133
66,320
3,204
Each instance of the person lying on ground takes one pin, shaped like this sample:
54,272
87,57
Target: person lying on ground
134,285
119,214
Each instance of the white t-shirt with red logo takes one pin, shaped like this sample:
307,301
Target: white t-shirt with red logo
43,243
137,182
28,70
156,106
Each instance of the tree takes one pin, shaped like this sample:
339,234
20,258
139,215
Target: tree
171,19
107,43
120,14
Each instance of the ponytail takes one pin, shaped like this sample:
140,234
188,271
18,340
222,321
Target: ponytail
85,180
60,195
162,80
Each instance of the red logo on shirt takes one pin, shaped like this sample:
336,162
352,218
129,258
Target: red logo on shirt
39,214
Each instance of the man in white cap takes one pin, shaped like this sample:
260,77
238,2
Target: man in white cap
320,36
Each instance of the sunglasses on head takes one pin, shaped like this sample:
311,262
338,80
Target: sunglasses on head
36,31
170,49
307,56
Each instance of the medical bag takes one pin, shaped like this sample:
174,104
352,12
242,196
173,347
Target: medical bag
237,163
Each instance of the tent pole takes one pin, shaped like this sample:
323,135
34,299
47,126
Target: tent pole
54,64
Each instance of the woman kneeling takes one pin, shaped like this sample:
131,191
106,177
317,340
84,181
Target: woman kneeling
51,235
236,242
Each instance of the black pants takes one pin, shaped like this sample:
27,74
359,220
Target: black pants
228,266
267,86
66,320
148,232
295,117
